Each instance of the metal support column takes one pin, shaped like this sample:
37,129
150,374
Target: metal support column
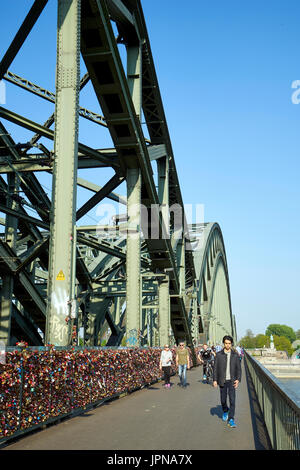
163,180
133,257
164,311
163,192
134,185
11,225
63,216
163,288
117,310
181,264
195,325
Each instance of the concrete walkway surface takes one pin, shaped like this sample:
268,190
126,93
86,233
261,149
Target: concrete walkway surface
160,419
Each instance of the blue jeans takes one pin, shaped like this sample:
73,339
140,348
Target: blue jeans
228,389
182,373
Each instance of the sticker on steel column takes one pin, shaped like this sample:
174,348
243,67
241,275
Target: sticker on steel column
60,276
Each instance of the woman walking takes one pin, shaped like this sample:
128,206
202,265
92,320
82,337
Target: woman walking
165,364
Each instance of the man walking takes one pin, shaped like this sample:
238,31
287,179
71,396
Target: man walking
227,374
182,362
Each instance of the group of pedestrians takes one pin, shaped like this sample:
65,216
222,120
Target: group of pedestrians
182,363
226,363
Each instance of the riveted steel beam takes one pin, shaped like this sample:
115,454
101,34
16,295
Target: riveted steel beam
62,247
49,96
164,312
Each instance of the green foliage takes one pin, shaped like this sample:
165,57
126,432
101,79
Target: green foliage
262,341
247,342
282,343
281,330
258,341
298,334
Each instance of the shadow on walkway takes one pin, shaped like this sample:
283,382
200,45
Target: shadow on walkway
260,433
217,411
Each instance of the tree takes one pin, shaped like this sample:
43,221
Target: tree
247,342
281,343
281,330
262,341
298,334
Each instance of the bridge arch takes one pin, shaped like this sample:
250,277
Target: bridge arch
213,288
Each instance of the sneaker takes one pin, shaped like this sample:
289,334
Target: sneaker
225,416
204,377
168,385
231,423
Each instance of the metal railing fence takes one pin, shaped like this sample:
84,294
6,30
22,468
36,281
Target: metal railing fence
280,408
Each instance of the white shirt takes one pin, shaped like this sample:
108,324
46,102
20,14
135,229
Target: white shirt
166,358
228,354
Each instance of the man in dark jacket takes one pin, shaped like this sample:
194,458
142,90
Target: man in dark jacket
227,374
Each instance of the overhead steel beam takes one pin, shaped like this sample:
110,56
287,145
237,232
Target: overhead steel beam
26,165
24,289
29,184
50,120
22,215
27,329
112,184
39,162
106,272
49,134
95,188
49,96
21,35
157,151
23,224
32,253
108,248
120,12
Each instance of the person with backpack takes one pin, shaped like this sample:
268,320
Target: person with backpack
206,355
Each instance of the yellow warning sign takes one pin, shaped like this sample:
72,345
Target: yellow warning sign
60,276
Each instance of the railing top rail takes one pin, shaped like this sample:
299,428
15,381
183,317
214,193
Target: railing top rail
79,348
287,395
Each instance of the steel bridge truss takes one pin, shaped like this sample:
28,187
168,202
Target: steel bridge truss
141,280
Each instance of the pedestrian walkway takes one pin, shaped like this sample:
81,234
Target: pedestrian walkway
160,419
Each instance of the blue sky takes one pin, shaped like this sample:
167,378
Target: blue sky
225,71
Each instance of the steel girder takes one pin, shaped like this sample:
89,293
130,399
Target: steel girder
21,35
170,306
